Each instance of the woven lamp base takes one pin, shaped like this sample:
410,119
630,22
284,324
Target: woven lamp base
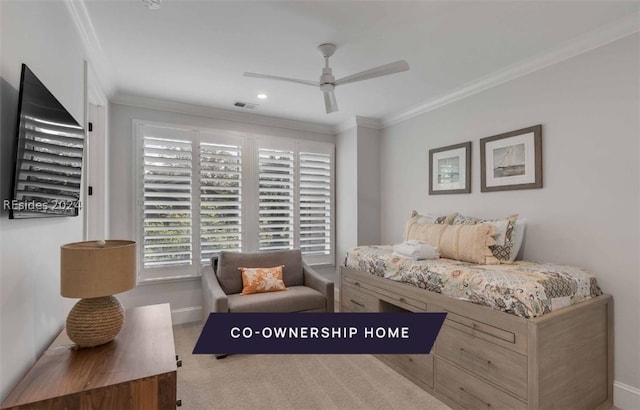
95,321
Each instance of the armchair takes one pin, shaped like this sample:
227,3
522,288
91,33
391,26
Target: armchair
222,285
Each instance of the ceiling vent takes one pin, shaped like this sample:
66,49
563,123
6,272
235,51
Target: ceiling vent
245,105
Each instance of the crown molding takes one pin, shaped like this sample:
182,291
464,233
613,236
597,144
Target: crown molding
357,121
368,122
95,54
220,114
609,33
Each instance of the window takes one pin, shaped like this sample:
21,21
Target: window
315,204
201,192
167,202
275,199
220,198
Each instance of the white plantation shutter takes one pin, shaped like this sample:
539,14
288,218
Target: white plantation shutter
275,199
315,204
220,198
167,202
203,191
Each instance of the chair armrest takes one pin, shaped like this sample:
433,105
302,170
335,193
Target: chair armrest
318,282
213,297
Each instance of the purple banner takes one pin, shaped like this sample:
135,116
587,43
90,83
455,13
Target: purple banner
334,333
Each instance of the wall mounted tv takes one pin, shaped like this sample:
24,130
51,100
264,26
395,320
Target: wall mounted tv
49,157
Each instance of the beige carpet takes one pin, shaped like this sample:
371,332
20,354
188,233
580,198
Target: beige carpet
291,381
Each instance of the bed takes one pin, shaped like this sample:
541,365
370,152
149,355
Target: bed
518,335
525,289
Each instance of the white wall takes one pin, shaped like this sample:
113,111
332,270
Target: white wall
358,190
184,296
368,186
346,193
42,35
587,214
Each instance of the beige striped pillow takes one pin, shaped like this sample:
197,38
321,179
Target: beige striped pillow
469,243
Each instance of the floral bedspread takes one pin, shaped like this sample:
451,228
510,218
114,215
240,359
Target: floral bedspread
526,289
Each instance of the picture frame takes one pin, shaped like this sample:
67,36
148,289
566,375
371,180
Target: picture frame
512,160
450,169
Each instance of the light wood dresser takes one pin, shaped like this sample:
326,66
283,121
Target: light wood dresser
486,359
135,371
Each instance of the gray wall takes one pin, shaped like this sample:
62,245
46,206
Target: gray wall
42,35
358,190
587,214
368,186
346,192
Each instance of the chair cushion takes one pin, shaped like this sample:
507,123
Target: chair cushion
296,299
230,277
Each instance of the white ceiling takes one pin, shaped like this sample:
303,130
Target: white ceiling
196,51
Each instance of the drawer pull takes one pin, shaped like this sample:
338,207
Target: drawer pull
403,300
356,303
475,397
476,356
356,283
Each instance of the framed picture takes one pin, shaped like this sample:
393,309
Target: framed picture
512,160
450,169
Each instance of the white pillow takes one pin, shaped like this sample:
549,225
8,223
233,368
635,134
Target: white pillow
518,237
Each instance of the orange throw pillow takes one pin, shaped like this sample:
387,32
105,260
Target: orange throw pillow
258,280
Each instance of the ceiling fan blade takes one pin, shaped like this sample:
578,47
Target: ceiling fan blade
274,77
391,68
330,102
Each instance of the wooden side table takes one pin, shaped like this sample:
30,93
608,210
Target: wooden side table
137,370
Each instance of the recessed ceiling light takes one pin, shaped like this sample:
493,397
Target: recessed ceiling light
152,4
262,96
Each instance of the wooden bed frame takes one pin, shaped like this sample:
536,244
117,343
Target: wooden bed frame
484,358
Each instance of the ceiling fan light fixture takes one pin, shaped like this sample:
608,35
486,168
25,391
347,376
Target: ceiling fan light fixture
328,82
152,4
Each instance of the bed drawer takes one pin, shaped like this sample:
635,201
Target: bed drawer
356,300
470,392
415,366
390,295
492,362
488,330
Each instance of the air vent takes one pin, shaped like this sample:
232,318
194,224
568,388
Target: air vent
247,106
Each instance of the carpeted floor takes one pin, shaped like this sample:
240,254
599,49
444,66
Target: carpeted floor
291,381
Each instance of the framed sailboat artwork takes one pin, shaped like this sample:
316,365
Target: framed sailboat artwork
512,160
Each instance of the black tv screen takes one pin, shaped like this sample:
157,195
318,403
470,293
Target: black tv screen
49,157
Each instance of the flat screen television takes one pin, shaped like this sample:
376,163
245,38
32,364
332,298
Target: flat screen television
50,151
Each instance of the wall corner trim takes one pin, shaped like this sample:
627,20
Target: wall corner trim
606,34
357,121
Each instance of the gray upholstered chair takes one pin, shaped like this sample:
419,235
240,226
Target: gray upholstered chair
222,285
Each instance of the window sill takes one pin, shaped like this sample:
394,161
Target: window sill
168,279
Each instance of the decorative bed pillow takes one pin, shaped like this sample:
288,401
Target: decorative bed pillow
417,221
259,280
469,243
518,238
506,247
425,232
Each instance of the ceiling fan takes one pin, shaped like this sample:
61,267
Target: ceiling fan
328,82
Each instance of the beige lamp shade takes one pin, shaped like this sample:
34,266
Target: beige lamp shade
97,268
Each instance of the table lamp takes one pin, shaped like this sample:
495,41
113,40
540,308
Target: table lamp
95,271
